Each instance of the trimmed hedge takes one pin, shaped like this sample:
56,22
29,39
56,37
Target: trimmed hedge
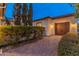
69,45
13,34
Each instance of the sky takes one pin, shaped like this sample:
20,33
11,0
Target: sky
41,10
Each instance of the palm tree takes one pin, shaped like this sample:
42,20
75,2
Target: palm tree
24,14
30,15
17,14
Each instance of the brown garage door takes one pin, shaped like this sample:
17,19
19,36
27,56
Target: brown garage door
62,28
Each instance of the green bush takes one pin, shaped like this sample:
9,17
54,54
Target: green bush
14,34
69,45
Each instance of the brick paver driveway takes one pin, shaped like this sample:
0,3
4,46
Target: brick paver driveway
44,47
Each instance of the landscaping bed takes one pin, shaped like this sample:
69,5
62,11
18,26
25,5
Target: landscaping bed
13,35
69,45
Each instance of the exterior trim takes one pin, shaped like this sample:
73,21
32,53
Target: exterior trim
54,17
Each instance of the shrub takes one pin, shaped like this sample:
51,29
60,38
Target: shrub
13,34
69,45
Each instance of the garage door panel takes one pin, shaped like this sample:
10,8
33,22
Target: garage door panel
61,28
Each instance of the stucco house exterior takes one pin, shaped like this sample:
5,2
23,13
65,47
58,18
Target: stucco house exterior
58,25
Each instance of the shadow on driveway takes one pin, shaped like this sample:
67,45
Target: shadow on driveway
44,47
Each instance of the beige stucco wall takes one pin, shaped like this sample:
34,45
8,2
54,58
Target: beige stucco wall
73,27
44,24
50,27
71,20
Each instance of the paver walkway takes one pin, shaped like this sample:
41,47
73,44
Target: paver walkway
44,47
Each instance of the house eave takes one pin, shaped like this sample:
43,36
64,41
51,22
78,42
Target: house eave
54,17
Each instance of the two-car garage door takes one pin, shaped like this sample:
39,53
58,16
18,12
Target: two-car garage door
62,28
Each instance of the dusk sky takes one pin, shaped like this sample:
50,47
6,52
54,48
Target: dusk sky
41,10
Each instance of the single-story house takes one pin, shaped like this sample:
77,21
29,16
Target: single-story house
57,25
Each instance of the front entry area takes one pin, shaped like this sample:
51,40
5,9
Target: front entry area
61,28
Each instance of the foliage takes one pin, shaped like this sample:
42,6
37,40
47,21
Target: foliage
17,13
69,45
13,34
77,9
30,14
23,14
